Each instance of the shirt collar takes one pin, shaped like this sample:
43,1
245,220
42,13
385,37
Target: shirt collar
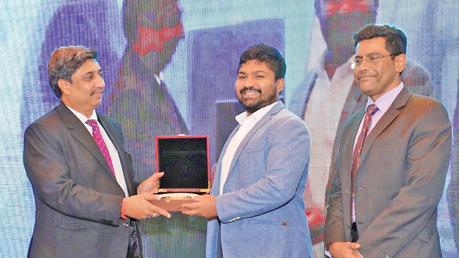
256,116
385,101
82,117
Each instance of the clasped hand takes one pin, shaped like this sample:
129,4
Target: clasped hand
204,206
345,250
139,206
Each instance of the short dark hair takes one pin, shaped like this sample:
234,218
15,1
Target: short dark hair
64,62
396,40
267,54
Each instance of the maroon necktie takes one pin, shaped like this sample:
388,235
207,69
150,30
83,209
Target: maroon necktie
97,136
371,109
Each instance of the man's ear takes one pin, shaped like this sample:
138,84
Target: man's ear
64,86
280,84
400,62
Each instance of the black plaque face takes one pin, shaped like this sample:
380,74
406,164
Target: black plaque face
184,162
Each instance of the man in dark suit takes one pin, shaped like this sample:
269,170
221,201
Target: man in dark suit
329,93
82,178
392,160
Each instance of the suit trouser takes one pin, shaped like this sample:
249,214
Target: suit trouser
135,245
354,232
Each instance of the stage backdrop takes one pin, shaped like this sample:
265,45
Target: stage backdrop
170,68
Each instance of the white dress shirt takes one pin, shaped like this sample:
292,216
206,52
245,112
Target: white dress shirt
246,123
111,148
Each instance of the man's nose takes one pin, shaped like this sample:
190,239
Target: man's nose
100,83
249,81
363,66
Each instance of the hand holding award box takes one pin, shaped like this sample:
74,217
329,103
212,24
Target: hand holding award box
185,161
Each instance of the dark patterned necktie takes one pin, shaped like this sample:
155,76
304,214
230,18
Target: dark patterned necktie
97,136
371,109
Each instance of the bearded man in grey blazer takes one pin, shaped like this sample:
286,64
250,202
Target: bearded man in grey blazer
392,160
87,202
256,205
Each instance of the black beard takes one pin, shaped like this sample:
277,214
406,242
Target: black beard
253,109
261,104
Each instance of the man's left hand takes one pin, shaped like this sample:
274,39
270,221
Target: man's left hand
151,184
204,206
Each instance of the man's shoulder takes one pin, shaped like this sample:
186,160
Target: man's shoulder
286,115
423,103
50,119
423,108
285,119
49,124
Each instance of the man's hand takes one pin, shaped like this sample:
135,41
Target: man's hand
139,207
344,250
205,206
151,184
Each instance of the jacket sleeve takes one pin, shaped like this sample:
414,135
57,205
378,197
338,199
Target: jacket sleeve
286,163
334,222
49,173
415,206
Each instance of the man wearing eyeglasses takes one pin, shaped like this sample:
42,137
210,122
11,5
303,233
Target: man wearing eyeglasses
329,93
392,160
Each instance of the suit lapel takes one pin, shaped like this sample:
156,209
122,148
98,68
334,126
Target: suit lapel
349,140
274,110
216,180
81,134
392,113
117,143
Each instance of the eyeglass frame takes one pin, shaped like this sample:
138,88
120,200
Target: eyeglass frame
373,60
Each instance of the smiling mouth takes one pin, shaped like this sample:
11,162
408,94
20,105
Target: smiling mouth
250,91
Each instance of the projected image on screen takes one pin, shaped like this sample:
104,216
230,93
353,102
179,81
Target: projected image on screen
184,162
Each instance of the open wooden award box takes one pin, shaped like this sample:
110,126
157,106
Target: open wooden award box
185,161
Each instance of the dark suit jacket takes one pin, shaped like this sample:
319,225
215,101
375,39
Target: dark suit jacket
77,198
399,181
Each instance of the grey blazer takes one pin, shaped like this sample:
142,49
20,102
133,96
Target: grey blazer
399,182
77,198
261,213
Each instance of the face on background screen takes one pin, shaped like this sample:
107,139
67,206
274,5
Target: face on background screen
158,34
340,19
256,86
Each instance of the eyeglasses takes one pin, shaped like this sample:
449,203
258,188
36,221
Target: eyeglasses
372,59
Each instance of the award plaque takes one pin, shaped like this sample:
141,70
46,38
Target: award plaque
185,161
